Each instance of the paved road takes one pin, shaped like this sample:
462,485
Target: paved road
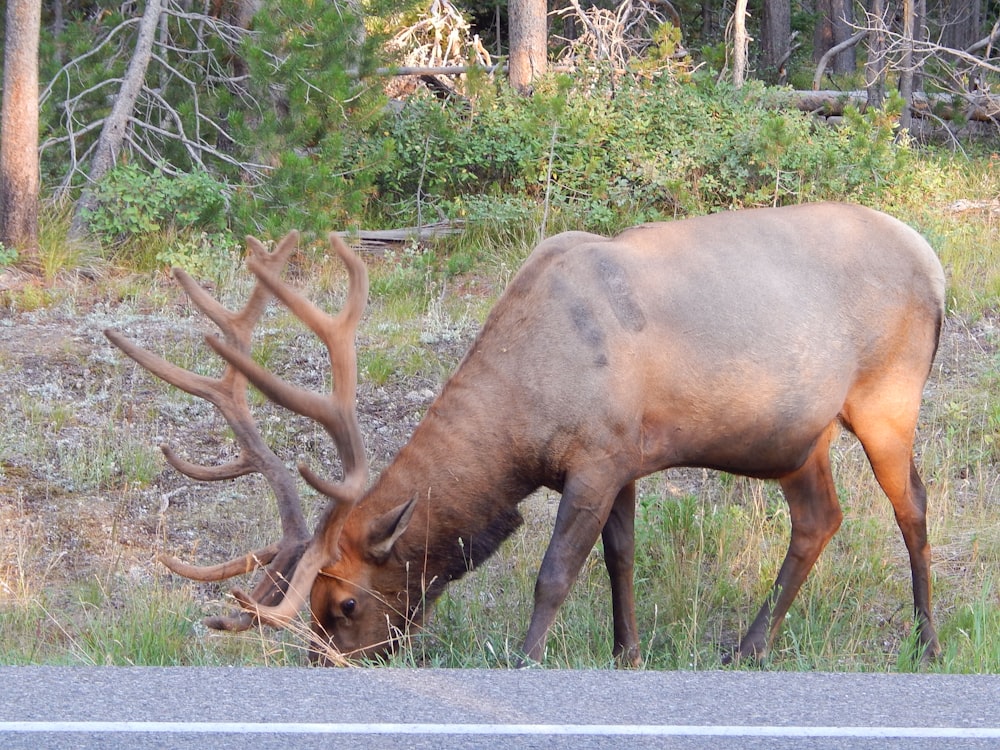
54,707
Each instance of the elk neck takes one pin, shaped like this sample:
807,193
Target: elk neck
462,465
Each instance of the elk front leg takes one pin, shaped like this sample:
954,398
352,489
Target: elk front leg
619,558
816,516
583,512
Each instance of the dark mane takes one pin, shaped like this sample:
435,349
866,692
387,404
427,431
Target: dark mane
451,558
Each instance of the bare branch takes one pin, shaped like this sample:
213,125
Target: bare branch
76,61
988,40
154,121
613,36
833,52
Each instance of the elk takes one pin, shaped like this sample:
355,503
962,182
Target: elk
739,342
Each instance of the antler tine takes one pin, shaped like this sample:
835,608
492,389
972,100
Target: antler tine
237,468
237,566
237,327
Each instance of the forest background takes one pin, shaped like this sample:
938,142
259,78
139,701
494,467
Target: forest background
167,130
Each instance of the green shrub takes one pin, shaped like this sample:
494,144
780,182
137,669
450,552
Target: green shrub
132,202
204,256
8,255
652,148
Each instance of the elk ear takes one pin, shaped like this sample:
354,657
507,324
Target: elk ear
387,528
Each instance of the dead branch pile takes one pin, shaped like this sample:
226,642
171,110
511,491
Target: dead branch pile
441,37
614,37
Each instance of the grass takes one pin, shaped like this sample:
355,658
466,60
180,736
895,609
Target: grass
85,499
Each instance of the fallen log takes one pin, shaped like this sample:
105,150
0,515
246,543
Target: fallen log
977,107
378,240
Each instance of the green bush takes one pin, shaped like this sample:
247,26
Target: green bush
202,255
131,202
8,256
441,152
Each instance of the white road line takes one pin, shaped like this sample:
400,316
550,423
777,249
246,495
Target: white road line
609,730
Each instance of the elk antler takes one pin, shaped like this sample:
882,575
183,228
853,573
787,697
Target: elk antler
293,559
336,413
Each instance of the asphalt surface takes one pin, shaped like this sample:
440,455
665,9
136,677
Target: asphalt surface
82,707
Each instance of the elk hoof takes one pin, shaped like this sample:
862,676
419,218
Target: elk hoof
526,662
629,658
734,656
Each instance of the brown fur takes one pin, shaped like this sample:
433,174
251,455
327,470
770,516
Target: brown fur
736,342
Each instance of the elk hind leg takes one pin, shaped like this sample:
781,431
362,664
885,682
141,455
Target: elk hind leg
815,514
886,430
619,558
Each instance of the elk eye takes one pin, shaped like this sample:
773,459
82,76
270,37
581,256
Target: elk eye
348,607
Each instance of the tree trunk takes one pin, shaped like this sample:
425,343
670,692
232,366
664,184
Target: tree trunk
920,36
906,65
776,35
58,26
835,26
980,108
875,65
19,178
528,39
112,137
843,24
961,23
741,42
962,28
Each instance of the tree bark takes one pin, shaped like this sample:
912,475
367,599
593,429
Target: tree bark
528,40
19,177
109,144
834,27
906,65
981,108
961,24
875,66
920,39
776,35
843,23
707,27
963,20
741,42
